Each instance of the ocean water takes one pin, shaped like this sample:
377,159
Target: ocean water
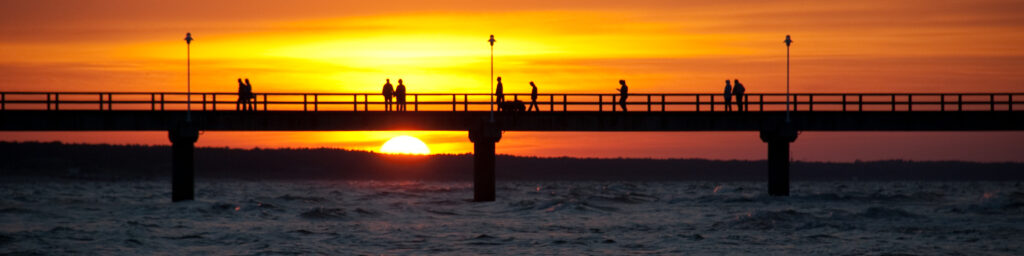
529,218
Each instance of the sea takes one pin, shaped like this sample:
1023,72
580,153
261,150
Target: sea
242,217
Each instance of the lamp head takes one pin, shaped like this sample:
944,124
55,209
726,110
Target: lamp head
491,40
188,38
788,41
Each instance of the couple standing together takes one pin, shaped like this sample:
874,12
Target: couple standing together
398,94
500,93
738,90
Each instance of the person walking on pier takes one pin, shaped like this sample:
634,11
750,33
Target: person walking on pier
728,96
500,94
243,99
739,90
623,93
533,98
400,96
250,97
387,92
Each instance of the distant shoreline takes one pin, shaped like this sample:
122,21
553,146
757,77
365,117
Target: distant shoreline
114,162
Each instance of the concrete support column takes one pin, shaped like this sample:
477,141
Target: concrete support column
183,138
484,137
778,158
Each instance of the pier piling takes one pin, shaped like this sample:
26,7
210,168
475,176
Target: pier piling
484,137
183,138
778,158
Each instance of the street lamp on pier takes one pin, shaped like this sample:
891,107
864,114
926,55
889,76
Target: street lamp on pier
188,74
788,42
492,77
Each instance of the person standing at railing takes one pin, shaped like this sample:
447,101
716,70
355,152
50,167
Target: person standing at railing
500,93
387,92
400,95
243,99
739,90
533,98
623,93
251,98
728,96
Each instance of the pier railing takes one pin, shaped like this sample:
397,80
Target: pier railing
647,102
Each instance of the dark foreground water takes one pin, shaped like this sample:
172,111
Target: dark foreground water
529,218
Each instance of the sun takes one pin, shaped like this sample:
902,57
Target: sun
405,145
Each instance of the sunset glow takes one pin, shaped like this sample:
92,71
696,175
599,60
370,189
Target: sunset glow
564,46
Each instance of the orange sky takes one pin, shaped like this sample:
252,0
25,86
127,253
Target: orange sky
584,46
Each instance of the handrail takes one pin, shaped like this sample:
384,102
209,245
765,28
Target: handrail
549,102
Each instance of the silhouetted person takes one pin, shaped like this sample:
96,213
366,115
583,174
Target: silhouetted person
252,97
500,93
739,90
243,99
400,95
623,93
728,96
387,92
533,97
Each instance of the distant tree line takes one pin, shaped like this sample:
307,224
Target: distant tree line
112,162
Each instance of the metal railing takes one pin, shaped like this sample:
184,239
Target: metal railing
673,102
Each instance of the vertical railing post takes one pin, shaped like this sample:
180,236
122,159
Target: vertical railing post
600,103
152,101
101,101
355,102
56,101
892,102
648,103
760,101
264,102
552,103
991,102
465,102
316,102
3,101
565,102
959,102
214,103
416,102
860,102
942,102
844,102
810,102
204,101
47,101
453,103
698,102
796,102
366,102
662,103
910,103
305,102
161,102
1009,100
110,101
712,103
613,103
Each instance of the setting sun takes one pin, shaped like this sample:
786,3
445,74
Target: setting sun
405,145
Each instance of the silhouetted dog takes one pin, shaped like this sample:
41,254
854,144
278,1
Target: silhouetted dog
513,106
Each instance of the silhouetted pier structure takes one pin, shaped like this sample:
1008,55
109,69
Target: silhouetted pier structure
146,111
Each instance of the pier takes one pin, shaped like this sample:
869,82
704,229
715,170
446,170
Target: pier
183,118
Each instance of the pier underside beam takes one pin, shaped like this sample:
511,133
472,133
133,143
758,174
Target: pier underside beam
484,137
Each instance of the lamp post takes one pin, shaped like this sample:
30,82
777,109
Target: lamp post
188,79
492,41
788,42
492,77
